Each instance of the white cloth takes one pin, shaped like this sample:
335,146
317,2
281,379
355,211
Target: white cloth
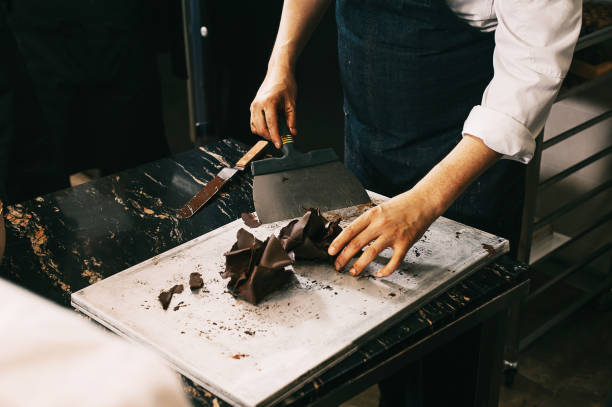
52,357
534,45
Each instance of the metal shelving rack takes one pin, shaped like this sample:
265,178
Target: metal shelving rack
532,225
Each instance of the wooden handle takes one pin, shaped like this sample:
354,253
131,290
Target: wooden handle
256,149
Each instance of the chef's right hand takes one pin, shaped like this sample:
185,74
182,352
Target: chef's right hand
275,100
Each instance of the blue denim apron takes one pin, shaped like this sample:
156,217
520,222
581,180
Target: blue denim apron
411,72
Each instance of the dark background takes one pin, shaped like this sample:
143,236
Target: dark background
240,40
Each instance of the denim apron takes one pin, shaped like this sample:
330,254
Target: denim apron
411,72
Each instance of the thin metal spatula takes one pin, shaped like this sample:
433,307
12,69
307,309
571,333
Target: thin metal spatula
285,187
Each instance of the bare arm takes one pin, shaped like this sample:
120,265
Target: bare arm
401,221
278,91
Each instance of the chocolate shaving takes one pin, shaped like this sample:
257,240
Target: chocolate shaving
256,268
165,296
250,220
195,281
310,236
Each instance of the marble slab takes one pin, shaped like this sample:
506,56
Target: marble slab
255,355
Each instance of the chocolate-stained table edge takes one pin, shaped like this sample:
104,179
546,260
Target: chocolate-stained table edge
64,241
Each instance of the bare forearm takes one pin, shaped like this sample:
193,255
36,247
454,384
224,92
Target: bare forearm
298,21
451,176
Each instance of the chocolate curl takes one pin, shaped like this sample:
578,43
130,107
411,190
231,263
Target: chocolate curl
256,268
310,236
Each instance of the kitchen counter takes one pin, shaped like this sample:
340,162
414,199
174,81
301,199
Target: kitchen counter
67,240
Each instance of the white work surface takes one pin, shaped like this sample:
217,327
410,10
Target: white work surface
294,334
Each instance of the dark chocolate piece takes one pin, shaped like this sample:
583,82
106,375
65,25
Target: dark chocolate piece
250,220
310,236
256,268
165,296
195,281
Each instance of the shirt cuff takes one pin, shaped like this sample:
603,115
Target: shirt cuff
500,133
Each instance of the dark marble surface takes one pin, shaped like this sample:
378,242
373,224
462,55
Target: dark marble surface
64,241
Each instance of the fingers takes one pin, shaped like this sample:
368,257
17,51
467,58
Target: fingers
355,245
347,234
290,117
399,252
258,122
271,117
368,256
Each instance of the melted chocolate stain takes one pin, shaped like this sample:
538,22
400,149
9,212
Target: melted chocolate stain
490,250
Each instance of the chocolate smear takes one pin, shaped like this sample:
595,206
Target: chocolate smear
310,236
165,296
195,281
256,268
490,250
250,220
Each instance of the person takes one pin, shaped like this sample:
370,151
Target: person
413,73
443,100
52,357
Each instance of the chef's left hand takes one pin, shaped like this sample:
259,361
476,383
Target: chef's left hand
398,223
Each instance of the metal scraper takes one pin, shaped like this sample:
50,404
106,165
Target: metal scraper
285,187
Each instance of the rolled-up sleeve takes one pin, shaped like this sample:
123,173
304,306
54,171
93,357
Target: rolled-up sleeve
534,44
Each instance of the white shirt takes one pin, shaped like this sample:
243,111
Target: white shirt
51,357
534,45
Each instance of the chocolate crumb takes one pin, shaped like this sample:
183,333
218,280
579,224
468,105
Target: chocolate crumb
490,250
195,281
165,296
391,294
250,220
180,305
239,356
252,333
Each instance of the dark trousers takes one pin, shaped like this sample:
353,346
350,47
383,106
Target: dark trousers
411,72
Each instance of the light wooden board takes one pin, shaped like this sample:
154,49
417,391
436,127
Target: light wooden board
293,335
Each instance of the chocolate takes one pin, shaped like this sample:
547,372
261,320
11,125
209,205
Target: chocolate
195,281
310,236
256,268
165,296
250,220
490,250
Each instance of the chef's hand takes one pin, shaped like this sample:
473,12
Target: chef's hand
397,223
275,100
401,221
